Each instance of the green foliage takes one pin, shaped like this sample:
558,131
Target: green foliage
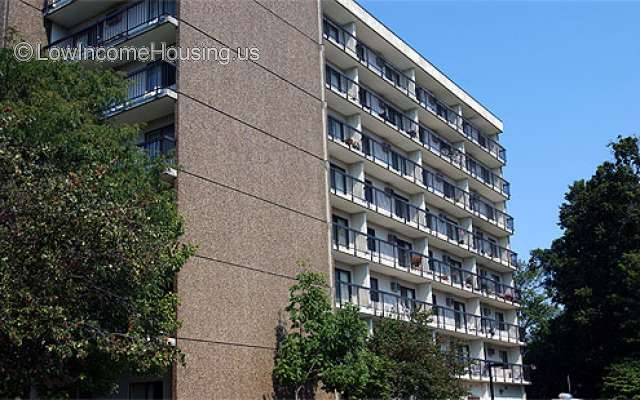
321,346
592,273
416,366
88,237
333,349
536,308
622,380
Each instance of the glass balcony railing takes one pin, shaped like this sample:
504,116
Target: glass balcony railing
478,369
390,254
387,253
437,226
149,82
378,107
382,154
385,304
159,143
374,249
120,25
381,67
50,5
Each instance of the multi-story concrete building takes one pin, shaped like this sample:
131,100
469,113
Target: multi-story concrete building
339,144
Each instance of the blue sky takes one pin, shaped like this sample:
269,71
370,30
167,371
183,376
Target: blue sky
563,76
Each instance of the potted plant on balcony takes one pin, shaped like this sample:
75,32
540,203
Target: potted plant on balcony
353,143
416,260
508,296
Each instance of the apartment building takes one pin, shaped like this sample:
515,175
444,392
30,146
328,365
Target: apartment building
341,145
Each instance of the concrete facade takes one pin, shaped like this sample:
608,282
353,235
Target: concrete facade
24,18
340,145
251,188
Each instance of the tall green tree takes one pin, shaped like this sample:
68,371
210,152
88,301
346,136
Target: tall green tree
592,273
89,237
417,366
321,346
537,309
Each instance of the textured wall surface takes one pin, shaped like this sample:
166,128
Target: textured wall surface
252,187
23,16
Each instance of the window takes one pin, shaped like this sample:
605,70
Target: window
363,95
392,115
338,179
332,31
391,74
500,318
497,279
452,230
368,191
460,315
487,322
408,297
404,252
456,270
343,287
375,295
360,52
493,247
372,243
159,142
366,145
340,231
146,390
432,263
401,207
448,190
463,352
336,129
334,79
504,357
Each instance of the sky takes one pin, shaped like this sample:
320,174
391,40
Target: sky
564,77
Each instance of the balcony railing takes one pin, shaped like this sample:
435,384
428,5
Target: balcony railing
159,142
384,304
375,105
478,369
377,64
387,253
382,154
147,83
49,5
120,25
367,247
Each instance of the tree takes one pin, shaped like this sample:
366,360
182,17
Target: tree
321,346
417,366
88,237
622,380
592,273
537,310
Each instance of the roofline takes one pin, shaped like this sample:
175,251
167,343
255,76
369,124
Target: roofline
403,47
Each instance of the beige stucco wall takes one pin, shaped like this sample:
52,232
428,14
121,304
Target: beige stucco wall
24,17
252,189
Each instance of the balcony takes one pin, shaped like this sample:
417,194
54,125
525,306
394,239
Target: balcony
382,304
375,63
161,143
68,13
438,148
150,94
135,25
478,370
385,204
382,155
